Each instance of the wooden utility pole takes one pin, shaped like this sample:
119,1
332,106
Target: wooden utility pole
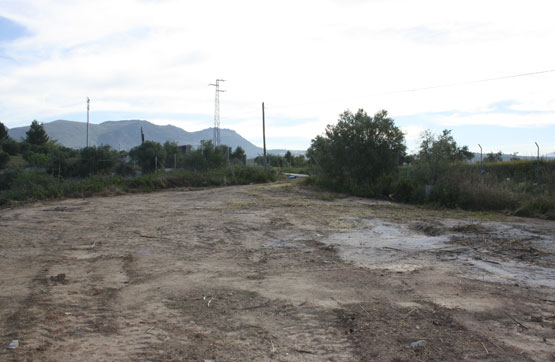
88,110
264,136
538,165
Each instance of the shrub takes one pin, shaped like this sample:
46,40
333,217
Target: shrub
246,175
150,156
408,191
18,185
11,147
4,159
359,153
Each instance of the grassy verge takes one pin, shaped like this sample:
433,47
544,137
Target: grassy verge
300,170
508,187
19,186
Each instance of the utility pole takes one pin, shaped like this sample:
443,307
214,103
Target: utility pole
481,169
538,165
88,110
264,136
216,137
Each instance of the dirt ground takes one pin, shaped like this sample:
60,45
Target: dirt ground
272,272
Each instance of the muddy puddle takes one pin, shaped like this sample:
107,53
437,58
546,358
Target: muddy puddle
487,251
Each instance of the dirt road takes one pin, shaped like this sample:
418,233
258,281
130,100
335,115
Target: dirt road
272,272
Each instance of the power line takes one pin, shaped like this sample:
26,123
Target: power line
474,81
424,88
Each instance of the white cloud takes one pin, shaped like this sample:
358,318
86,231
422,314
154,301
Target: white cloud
307,60
413,132
500,120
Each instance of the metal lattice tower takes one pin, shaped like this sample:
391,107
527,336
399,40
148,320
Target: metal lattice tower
88,110
216,137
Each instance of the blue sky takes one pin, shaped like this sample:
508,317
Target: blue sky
308,61
10,30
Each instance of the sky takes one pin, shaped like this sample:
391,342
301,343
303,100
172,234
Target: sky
484,69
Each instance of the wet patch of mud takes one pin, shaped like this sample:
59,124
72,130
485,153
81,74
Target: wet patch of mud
428,229
489,251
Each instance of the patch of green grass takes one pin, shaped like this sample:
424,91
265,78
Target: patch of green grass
18,161
19,186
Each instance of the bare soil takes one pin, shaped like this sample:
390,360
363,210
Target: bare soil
272,272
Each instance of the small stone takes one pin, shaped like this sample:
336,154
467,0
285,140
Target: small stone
537,319
418,344
14,344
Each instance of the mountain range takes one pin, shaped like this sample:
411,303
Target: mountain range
124,135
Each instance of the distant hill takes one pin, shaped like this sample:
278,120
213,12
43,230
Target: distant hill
125,135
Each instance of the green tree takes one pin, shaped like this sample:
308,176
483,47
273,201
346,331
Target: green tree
359,150
172,153
207,157
96,160
147,155
58,161
3,133
298,161
494,157
273,160
436,153
239,157
212,157
36,135
123,167
289,158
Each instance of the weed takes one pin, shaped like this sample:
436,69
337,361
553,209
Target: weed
17,185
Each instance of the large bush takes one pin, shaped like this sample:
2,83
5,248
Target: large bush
150,156
206,157
96,160
436,154
359,153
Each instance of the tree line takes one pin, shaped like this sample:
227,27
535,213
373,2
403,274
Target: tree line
360,154
41,152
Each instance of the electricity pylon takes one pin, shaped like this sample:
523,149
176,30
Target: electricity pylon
216,137
88,110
